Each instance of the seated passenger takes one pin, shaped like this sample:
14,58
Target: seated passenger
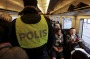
71,42
72,38
57,51
79,53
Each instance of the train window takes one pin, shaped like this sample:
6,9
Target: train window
85,20
67,23
86,31
88,20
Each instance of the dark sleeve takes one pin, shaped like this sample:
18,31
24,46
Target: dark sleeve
4,30
51,35
12,34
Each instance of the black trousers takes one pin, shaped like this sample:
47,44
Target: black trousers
37,53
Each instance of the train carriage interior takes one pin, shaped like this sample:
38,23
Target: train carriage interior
69,13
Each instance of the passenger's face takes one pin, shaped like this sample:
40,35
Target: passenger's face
57,26
59,32
72,31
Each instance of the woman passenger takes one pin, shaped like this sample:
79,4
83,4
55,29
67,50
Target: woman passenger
57,51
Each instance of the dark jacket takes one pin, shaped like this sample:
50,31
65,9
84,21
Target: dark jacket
4,30
30,16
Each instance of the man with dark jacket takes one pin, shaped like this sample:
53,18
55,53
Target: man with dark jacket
71,41
32,32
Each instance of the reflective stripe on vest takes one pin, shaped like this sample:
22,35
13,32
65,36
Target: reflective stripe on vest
32,35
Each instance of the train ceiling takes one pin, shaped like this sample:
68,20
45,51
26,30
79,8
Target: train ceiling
14,5
54,7
62,6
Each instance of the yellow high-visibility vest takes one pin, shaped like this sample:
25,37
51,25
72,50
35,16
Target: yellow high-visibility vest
32,35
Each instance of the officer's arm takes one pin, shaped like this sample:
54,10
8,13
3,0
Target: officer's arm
51,37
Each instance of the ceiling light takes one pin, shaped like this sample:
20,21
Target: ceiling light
43,5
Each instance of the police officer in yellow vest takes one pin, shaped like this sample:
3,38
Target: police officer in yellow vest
32,32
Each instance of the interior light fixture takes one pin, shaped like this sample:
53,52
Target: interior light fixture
43,5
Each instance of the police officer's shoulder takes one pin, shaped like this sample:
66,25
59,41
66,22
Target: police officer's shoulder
48,20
